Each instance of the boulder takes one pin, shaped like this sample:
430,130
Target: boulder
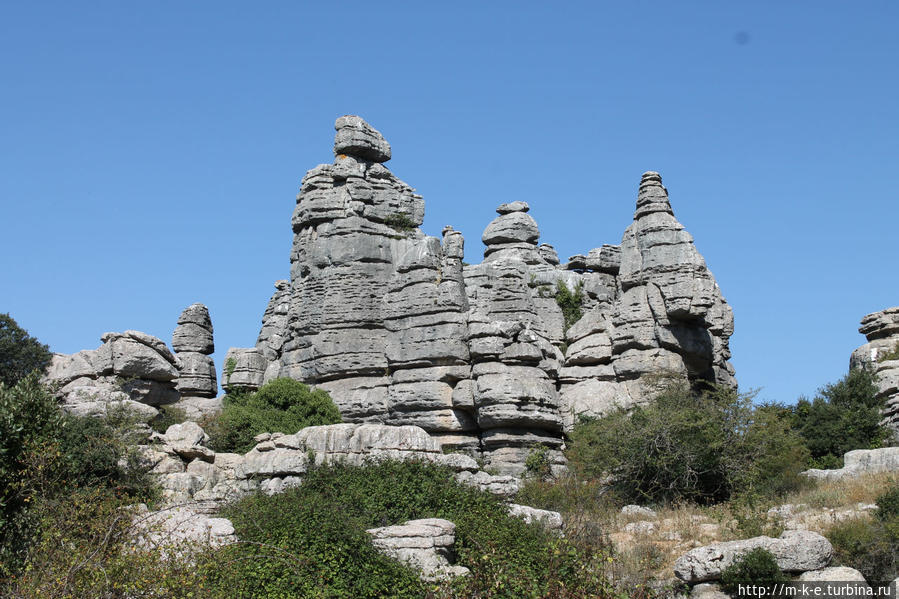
795,551
357,138
194,331
425,545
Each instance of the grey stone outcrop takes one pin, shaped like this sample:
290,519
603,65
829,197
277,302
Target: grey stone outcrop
193,343
859,462
190,472
130,370
882,332
398,330
796,551
425,545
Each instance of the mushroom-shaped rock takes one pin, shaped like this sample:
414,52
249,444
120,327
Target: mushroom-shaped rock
357,138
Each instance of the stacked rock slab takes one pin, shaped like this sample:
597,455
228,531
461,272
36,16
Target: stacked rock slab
482,356
130,370
881,355
193,344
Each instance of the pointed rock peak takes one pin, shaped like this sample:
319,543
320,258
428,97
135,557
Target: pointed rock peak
653,197
517,206
357,138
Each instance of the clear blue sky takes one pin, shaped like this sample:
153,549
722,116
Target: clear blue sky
150,153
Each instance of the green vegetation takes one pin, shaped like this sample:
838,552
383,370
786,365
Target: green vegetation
400,222
311,542
871,546
47,458
701,446
281,405
20,353
230,365
168,415
890,355
843,416
758,567
570,302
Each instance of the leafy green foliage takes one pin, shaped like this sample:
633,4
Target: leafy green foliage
282,405
538,462
570,302
45,456
168,415
700,446
757,567
20,353
400,222
843,416
310,540
866,545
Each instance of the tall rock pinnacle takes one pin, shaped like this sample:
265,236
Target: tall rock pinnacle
400,331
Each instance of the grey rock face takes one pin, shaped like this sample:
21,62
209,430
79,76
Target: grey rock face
882,331
795,551
357,138
859,462
128,368
194,331
425,545
193,342
400,331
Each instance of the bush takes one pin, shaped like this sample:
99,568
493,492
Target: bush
46,455
757,567
310,541
282,405
168,415
843,416
866,545
20,353
700,446
570,302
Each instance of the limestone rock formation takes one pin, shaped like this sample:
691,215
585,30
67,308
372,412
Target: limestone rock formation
425,545
482,356
129,368
859,462
882,331
193,343
795,551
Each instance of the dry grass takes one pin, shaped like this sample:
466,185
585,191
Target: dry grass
644,550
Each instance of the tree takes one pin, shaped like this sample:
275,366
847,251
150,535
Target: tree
20,353
843,416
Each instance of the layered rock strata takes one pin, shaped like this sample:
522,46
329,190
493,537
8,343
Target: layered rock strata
131,370
193,343
189,473
881,355
425,545
483,357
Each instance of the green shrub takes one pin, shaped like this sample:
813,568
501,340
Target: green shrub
310,541
282,405
843,416
20,353
537,464
893,354
400,222
570,302
168,415
686,444
866,545
46,456
888,505
757,567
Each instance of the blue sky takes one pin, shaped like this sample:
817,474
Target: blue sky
150,153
